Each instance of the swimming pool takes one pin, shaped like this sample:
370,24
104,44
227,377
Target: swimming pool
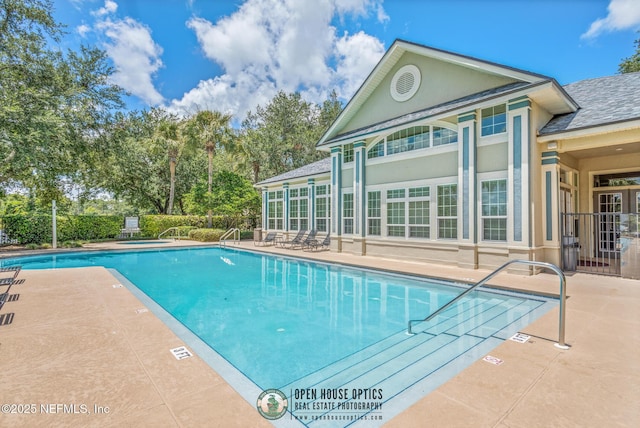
328,336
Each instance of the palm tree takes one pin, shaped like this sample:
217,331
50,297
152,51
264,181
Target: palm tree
167,136
211,129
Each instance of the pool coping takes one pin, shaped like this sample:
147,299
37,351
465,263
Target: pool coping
393,406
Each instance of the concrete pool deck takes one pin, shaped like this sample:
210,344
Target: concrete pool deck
86,353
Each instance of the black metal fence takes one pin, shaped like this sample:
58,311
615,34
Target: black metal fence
599,243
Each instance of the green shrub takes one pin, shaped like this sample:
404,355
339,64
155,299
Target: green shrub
152,225
206,235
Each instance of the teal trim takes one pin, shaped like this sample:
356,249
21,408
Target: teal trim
549,215
467,117
521,104
336,150
549,154
524,97
517,178
358,144
550,161
363,194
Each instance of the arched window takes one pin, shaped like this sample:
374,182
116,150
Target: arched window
413,138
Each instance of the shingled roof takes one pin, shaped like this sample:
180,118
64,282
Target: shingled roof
602,101
322,166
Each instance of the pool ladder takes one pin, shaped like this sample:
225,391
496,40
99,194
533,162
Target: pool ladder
174,229
563,296
234,232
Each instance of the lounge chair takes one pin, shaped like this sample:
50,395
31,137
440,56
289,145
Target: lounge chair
297,240
270,239
310,238
317,244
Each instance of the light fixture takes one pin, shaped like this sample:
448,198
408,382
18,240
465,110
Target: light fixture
552,145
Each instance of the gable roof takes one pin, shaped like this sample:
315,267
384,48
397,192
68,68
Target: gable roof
604,100
399,48
322,166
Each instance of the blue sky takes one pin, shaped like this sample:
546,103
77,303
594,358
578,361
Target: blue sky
232,55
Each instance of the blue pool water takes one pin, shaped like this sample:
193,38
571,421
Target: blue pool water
292,324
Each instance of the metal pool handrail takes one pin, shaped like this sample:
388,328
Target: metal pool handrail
563,296
170,229
235,232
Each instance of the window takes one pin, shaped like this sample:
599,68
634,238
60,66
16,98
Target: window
323,207
347,213
348,153
376,151
494,120
419,212
414,138
275,201
395,213
408,139
298,209
448,211
374,213
494,210
442,136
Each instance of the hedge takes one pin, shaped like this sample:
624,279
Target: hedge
36,228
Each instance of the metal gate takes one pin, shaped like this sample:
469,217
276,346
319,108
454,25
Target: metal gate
601,243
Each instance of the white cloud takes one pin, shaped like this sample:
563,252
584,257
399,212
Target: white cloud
83,29
623,14
135,55
290,45
109,7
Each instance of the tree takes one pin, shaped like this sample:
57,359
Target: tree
167,136
632,63
282,135
53,106
232,196
211,130
136,168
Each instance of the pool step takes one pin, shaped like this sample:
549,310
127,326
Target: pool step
400,361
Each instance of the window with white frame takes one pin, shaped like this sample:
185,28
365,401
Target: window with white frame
276,212
299,209
323,207
494,210
408,212
347,213
348,153
413,138
396,219
447,211
494,120
419,202
374,213
417,137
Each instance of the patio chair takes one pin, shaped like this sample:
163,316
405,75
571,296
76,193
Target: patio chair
310,238
270,239
317,244
297,240
131,227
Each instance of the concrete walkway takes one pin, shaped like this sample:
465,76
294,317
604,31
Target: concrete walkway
80,352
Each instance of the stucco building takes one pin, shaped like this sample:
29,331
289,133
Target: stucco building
450,159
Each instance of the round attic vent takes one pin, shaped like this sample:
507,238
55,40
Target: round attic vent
405,83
